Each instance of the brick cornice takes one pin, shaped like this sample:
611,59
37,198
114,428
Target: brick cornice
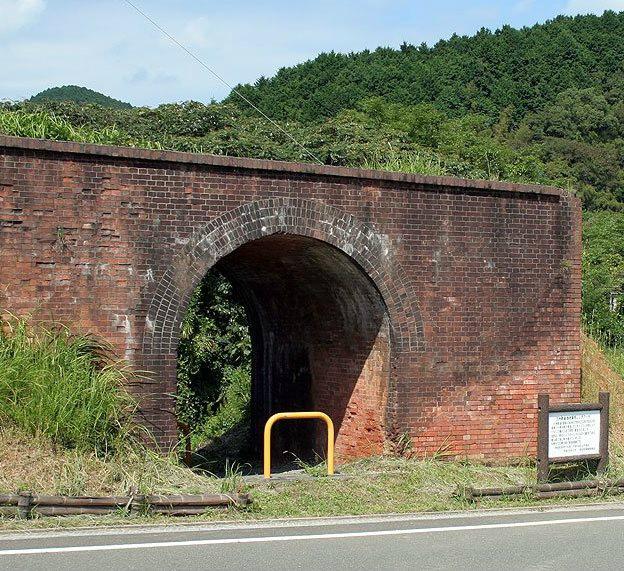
131,153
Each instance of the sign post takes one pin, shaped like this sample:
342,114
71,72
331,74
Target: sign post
572,433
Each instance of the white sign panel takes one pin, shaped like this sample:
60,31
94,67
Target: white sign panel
573,433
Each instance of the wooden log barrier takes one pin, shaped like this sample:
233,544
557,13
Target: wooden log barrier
8,505
544,491
27,505
24,505
83,505
186,504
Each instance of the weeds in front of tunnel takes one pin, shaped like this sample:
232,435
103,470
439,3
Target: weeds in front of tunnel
372,486
232,480
37,464
315,468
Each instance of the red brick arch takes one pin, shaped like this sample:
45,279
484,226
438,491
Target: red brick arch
257,219
362,420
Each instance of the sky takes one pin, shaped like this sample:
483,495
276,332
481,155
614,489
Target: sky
107,46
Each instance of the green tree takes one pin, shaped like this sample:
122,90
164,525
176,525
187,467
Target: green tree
81,95
603,275
214,348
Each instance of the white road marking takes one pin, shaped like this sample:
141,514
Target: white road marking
271,539
297,522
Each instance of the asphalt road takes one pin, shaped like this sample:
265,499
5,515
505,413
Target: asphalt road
585,538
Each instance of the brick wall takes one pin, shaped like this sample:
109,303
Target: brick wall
397,303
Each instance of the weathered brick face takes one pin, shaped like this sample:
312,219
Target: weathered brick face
398,304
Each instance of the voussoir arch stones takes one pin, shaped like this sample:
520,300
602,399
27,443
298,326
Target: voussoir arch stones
312,218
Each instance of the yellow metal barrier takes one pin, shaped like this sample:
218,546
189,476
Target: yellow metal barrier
294,416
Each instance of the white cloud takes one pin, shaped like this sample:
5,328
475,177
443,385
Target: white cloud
14,14
593,6
523,6
142,75
197,33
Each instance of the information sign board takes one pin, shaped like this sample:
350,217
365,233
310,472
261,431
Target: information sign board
572,432
575,433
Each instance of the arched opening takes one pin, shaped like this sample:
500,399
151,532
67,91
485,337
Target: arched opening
320,340
357,255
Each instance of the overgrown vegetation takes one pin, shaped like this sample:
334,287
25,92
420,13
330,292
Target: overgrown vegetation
603,277
37,463
64,387
603,370
42,124
214,377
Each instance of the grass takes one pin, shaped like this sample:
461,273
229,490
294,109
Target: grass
45,125
233,408
56,386
63,387
373,486
603,370
423,162
36,463
385,485
615,359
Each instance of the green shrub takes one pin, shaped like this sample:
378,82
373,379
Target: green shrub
62,386
214,344
233,410
603,275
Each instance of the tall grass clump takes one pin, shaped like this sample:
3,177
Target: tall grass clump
419,162
46,125
62,386
423,161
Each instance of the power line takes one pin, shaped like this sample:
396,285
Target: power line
215,74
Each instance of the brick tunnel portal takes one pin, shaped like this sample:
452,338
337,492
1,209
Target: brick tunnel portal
320,338
403,305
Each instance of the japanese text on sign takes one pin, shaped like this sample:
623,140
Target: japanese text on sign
573,433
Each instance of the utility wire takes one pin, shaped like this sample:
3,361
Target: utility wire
215,74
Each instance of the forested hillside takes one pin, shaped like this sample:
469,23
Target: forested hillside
519,71
542,104
79,95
